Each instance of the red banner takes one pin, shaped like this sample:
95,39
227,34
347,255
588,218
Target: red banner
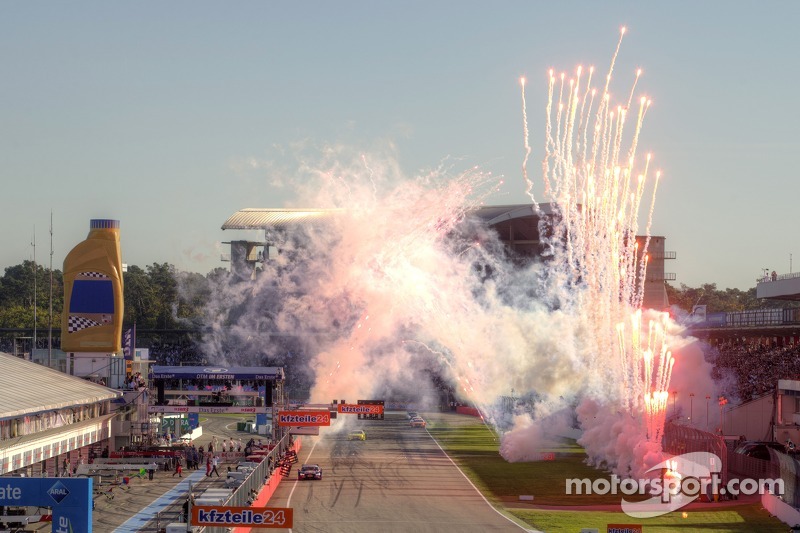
360,409
304,418
222,516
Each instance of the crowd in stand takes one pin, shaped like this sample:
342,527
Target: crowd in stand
755,368
171,353
746,369
135,382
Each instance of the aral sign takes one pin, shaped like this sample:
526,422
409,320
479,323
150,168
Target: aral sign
69,498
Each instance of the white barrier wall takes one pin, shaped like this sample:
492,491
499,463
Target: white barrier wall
195,433
780,509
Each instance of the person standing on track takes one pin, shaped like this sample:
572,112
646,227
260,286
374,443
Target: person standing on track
178,467
214,463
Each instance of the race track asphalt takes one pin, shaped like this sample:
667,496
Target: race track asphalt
398,480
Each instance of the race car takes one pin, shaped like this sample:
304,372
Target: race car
417,422
309,472
357,435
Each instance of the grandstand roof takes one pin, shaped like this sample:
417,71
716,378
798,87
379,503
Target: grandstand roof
258,218
265,218
779,287
29,388
493,214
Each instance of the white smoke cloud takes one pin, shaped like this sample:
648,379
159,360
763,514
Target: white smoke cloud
399,291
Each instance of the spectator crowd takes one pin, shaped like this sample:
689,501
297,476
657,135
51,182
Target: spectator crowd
750,369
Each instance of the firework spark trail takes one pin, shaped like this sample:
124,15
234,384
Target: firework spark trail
633,88
572,108
597,192
588,111
583,113
644,103
621,115
401,268
371,176
560,168
548,132
643,270
526,144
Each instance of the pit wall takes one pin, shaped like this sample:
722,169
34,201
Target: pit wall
269,489
780,509
196,433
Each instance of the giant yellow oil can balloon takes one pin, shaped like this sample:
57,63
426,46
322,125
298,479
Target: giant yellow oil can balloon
93,301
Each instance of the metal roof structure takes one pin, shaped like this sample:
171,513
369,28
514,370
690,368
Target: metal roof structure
29,388
44,438
258,218
266,218
494,214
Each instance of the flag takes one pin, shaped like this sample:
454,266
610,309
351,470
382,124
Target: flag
129,343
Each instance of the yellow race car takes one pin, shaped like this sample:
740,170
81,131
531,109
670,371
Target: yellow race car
357,435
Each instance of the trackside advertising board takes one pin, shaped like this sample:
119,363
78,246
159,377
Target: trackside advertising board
222,516
69,498
360,409
206,409
624,528
304,418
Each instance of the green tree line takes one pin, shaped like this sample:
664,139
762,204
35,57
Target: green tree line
156,297
719,301
160,297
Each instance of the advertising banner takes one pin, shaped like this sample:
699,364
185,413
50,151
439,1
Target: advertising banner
360,409
624,528
206,409
69,498
226,517
304,418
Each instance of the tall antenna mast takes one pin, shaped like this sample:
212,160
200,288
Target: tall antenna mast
33,346
50,322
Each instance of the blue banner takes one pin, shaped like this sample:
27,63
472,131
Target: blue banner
69,498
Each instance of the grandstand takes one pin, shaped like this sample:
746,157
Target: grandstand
517,226
779,286
760,349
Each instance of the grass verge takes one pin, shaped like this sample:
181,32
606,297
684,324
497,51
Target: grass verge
738,519
475,448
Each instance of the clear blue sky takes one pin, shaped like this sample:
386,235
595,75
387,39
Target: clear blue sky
150,112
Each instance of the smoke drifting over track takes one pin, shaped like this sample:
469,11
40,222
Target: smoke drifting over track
400,290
